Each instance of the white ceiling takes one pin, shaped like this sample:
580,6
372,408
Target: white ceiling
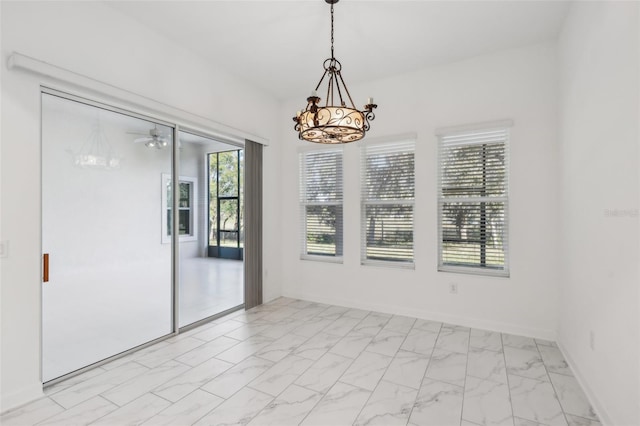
280,45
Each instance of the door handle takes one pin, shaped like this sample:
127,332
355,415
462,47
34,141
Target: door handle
45,267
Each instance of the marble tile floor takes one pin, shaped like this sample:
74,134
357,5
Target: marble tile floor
293,362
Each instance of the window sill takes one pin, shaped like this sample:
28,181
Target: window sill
323,259
183,238
388,264
470,270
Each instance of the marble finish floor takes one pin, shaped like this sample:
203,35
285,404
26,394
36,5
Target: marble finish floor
292,362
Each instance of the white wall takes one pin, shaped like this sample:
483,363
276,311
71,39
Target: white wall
95,40
599,109
516,84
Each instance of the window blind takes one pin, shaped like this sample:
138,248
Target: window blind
473,201
321,203
387,192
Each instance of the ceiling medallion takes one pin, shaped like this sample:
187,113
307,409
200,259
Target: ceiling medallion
334,122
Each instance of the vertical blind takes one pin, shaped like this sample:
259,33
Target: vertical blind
387,191
253,225
473,201
321,203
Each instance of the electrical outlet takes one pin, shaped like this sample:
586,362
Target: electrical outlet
592,340
453,288
4,248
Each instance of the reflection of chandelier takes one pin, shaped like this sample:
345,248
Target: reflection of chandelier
331,123
96,152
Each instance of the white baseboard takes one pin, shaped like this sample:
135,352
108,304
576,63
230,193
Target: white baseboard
429,315
17,399
601,411
266,298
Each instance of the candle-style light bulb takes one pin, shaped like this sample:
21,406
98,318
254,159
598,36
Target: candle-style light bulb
370,101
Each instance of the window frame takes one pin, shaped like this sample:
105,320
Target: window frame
304,255
504,126
400,143
191,208
215,250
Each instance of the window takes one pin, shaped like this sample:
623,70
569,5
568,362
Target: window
186,208
473,201
387,191
226,204
321,203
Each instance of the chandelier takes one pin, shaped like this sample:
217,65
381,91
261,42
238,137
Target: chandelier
96,152
334,122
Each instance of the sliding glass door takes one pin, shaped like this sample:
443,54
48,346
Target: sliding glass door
105,231
211,180
124,250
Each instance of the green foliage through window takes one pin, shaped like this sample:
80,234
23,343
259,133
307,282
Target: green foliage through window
388,189
321,202
473,200
226,227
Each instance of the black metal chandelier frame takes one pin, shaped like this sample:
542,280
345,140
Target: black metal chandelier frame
333,123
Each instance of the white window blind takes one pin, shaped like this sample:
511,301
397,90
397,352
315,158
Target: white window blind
473,199
387,192
321,203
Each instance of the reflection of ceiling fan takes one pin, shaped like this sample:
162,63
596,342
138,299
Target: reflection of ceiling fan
154,139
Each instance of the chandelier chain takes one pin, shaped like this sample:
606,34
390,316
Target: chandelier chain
332,56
